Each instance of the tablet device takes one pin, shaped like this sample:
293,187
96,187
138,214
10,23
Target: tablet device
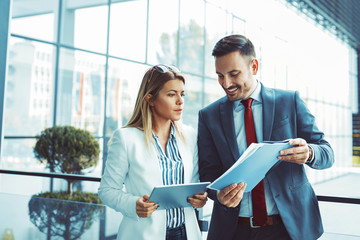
174,196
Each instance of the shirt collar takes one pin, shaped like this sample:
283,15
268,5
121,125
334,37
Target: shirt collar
256,95
172,132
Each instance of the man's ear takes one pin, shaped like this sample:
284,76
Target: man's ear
148,98
254,66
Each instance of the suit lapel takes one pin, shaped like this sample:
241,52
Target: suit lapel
227,121
154,164
268,98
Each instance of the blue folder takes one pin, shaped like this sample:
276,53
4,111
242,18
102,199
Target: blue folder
252,165
174,196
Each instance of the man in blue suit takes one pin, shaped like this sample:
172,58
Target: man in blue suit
287,202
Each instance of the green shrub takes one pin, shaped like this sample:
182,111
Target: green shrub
67,149
78,196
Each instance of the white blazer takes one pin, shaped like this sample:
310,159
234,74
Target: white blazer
129,161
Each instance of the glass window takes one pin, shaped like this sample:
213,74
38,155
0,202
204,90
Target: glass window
191,42
193,100
293,53
123,84
163,32
274,55
95,171
84,24
35,19
128,30
212,90
215,30
238,25
81,90
18,155
21,116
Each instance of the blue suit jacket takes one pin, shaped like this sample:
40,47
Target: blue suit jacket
285,116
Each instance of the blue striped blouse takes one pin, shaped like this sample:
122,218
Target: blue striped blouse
172,170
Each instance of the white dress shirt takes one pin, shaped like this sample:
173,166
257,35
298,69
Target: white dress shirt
238,110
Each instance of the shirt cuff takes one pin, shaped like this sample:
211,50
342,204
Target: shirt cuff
312,155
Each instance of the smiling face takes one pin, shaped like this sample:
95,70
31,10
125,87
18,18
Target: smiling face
168,104
236,75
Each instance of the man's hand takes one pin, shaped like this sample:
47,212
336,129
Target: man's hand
145,208
232,194
198,200
298,154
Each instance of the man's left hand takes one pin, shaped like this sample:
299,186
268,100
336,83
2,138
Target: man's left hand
298,154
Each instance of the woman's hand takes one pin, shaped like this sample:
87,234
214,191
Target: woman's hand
145,208
198,200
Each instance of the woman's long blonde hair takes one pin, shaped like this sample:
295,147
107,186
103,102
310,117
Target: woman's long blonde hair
153,81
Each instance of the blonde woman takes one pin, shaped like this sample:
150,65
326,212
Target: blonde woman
153,149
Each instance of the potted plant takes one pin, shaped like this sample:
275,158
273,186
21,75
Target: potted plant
68,150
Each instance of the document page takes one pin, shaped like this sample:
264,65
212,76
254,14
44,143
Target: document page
252,165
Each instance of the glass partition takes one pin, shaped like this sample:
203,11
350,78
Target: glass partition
35,19
84,24
31,217
163,35
81,90
128,37
123,84
192,36
86,69
31,76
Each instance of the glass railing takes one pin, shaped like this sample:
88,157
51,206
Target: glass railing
31,217
339,201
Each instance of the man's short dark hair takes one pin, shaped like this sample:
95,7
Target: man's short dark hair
233,43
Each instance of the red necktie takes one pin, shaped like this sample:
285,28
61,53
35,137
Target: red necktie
257,194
